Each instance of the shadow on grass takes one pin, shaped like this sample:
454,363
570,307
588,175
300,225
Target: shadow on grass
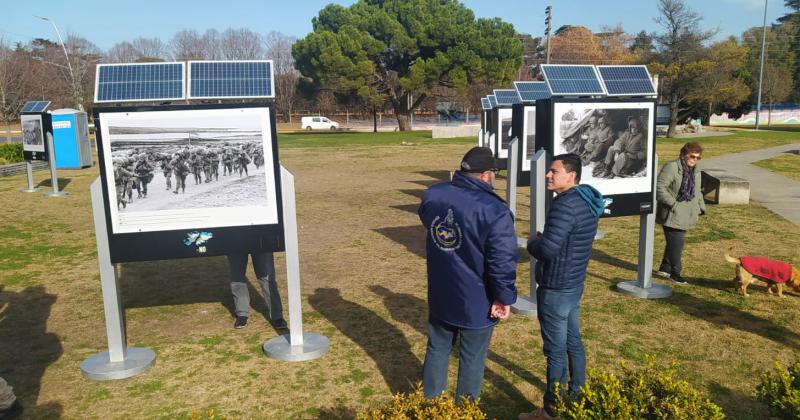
737,405
411,208
26,348
411,310
336,413
605,258
417,192
48,183
412,237
721,314
382,341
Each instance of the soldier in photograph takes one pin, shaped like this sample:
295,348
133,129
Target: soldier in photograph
180,167
121,176
227,159
197,166
214,158
242,159
131,182
628,153
144,173
588,135
166,168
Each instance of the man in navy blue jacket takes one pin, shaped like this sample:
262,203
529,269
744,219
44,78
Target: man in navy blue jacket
562,252
472,261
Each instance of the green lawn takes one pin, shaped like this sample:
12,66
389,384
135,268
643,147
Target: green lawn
787,165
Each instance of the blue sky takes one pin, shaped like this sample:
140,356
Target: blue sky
108,22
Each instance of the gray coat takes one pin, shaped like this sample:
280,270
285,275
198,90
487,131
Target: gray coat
670,212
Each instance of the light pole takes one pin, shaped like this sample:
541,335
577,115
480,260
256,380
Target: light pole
69,64
761,71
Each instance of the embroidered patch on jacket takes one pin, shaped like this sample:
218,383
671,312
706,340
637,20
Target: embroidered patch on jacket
446,233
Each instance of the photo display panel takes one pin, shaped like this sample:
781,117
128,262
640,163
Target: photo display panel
190,180
504,120
626,80
572,80
34,135
615,140
139,82
230,79
532,91
528,137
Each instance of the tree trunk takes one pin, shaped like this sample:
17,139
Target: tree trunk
769,115
8,132
402,122
374,120
673,115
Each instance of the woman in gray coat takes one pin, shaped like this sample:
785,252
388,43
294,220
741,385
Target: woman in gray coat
680,203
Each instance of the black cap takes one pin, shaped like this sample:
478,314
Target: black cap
477,160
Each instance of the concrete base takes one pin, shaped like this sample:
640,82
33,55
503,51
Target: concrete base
721,188
655,291
450,131
314,346
30,190
56,194
100,368
525,305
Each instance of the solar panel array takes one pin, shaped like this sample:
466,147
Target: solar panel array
485,104
139,82
626,80
35,106
506,97
572,80
492,101
532,91
230,79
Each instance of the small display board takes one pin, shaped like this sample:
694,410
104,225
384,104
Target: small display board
524,129
615,139
35,127
185,181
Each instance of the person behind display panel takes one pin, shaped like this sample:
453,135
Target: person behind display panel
264,267
628,152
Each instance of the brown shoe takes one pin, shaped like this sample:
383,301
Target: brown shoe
539,414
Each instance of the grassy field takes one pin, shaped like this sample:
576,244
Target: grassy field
364,287
787,165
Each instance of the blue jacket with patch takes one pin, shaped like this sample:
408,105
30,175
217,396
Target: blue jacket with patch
472,252
564,249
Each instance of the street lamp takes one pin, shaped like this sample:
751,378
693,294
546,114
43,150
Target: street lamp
69,65
761,71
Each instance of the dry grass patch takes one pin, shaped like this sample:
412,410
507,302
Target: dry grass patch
787,165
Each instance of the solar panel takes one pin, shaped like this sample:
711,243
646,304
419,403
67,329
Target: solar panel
506,97
532,91
626,80
492,101
35,106
139,82
572,80
485,104
230,79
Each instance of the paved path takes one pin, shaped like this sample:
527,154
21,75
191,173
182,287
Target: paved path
777,192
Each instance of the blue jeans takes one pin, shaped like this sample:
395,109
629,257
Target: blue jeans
559,317
471,359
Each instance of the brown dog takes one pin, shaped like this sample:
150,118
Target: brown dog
774,273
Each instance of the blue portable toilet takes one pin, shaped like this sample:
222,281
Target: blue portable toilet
71,139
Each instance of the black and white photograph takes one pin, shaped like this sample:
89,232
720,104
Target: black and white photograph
614,141
503,131
179,169
529,138
32,134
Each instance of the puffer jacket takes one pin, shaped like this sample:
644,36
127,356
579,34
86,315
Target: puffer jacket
670,212
565,246
471,252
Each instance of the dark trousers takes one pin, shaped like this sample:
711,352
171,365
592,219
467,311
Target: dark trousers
264,266
473,345
671,263
559,314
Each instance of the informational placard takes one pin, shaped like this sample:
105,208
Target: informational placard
35,127
524,128
503,132
190,180
615,140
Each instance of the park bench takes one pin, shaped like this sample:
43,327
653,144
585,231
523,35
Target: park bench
450,131
719,187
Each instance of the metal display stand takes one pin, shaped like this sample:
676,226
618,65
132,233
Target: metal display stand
643,286
296,346
120,361
511,184
30,188
51,159
526,305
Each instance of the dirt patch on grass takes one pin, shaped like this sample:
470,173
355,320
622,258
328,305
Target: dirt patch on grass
364,287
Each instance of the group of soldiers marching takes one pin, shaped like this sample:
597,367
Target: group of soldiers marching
133,170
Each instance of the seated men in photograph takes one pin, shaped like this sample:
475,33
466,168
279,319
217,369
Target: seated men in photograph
598,145
628,153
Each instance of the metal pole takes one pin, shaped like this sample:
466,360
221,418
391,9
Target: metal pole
51,158
761,71
30,188
69,65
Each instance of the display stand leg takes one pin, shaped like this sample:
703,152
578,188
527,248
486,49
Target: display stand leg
120,361
51,158
511,182
643,287
526,305
30,188
296,346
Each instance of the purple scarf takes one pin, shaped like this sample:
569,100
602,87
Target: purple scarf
686,192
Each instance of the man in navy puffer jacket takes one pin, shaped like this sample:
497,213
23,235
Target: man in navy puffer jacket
562,253
472,261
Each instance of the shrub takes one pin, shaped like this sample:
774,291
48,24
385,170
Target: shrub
645,393
10,153
782,391
414,406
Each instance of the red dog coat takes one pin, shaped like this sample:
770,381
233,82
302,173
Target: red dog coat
777,271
